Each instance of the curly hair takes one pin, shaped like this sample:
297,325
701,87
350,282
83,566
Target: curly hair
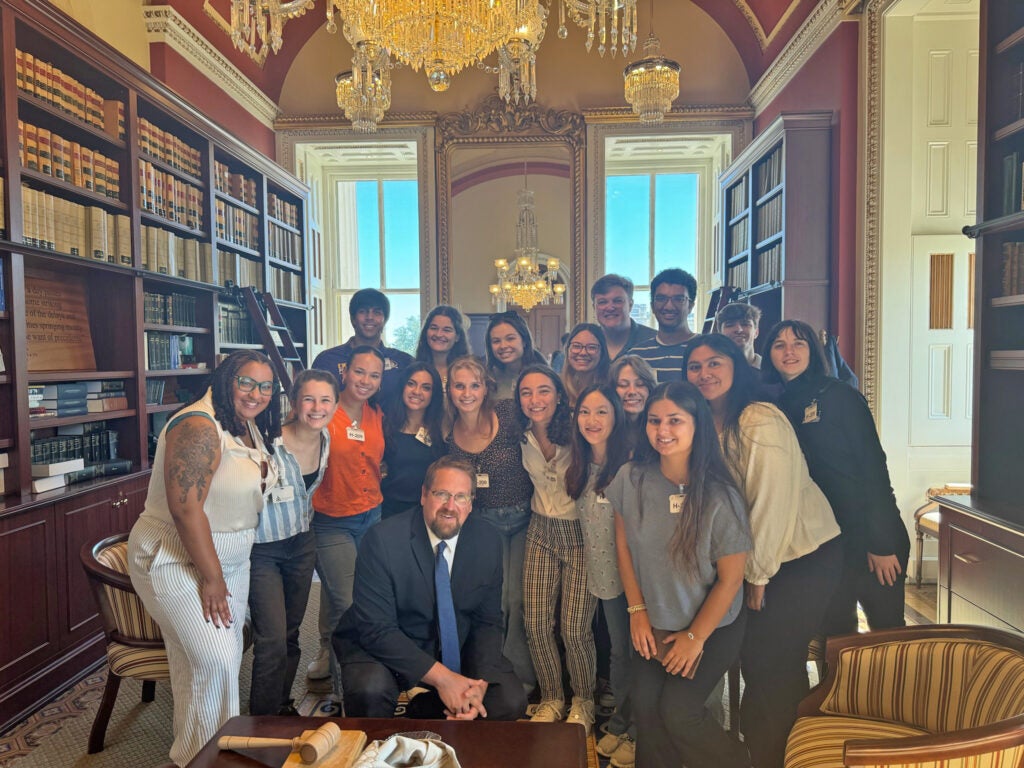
461,345
574,381
559,429
578,474
222,388
530,355
396,414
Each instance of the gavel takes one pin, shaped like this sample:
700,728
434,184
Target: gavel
311,748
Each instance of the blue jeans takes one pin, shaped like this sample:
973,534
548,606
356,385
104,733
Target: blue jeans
617,618
337,542
511,524
280,574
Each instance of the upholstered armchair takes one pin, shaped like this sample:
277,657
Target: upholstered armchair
940,696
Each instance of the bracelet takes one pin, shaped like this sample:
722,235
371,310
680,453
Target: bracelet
636,608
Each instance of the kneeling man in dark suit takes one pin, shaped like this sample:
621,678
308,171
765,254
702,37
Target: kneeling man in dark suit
426,610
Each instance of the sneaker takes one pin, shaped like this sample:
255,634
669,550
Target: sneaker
608,743
549,711
320,668
625,755
582,713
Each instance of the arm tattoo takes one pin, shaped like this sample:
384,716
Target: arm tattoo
194,455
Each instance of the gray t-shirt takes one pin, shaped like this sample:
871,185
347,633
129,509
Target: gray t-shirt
673,597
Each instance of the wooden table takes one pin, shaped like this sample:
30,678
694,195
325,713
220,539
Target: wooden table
478,744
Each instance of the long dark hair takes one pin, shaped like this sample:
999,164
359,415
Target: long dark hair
576,382
530,355
461,345
558,429
222,386
817,366
709,474
582,452
304,377
396,414
744,389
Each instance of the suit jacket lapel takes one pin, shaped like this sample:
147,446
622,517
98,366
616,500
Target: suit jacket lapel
422,552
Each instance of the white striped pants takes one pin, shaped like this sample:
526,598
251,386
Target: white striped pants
204,659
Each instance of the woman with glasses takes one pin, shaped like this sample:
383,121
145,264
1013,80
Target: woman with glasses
485,432
443,339
586,360
509,349
284,554
633,380
348,500
554,569
188,553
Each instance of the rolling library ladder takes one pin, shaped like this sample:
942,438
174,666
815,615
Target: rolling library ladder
272,331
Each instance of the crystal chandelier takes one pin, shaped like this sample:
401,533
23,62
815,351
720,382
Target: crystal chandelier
603,19
440,36
252,20
652,83
523,282
517,57
364,93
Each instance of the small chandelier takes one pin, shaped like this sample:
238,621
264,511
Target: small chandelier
517,57
252,20
523,282
441,36
603,19
364,93
652,83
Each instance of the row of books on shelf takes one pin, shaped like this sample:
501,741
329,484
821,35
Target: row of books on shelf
237,185
738,277
739,233
238,270
167,253
769,265
737,197
286,285
283,210
284,245
1013,190
42,150
163,194
51,222
155,391
237,226
170,351
3,298
40,78
769,218
769,172
76,398
234,325
169,148
1013,269
169,309
93,442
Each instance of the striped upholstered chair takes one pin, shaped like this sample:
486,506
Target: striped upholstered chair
941,696
135,647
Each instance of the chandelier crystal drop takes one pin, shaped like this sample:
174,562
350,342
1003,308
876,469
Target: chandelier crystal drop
606,21
364,93
255,23
652,83
517,57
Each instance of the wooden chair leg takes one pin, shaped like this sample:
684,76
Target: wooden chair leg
148,691
99,725
920,556
733,678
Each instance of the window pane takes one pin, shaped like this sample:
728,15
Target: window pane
368,223
401,234
627,227
675,222
403,328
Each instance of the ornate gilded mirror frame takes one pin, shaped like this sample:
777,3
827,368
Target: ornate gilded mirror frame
497,124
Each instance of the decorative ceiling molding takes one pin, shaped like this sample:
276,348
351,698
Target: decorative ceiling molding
812,34
764,39
336,121
260,55
702,113
165,25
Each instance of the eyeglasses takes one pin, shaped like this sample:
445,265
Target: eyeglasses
443,497
245,384
590,349
661,300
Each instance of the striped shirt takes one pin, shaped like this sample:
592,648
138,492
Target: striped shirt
283,519
666,360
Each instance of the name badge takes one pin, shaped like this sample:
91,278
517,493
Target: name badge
483,480
675,503
282,494
355,434
811,413
424,437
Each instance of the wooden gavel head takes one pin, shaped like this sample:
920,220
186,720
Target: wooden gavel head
320,742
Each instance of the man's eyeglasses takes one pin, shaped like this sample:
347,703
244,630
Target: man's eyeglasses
590,349
443,497
660,300
245,384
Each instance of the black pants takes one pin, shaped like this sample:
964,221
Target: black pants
674,726
774,655
883,605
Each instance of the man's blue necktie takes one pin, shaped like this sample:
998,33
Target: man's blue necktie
446,613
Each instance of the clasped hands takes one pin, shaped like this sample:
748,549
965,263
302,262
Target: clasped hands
682,653
463,697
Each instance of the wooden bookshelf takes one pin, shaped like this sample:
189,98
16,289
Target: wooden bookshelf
776,241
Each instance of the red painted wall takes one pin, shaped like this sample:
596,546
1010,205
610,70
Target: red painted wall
829,81
194,87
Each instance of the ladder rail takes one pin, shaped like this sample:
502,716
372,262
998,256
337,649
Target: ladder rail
257,306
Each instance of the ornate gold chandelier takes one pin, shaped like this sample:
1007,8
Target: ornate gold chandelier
652,83
258,22
440,36
517,57
604,20
364,93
